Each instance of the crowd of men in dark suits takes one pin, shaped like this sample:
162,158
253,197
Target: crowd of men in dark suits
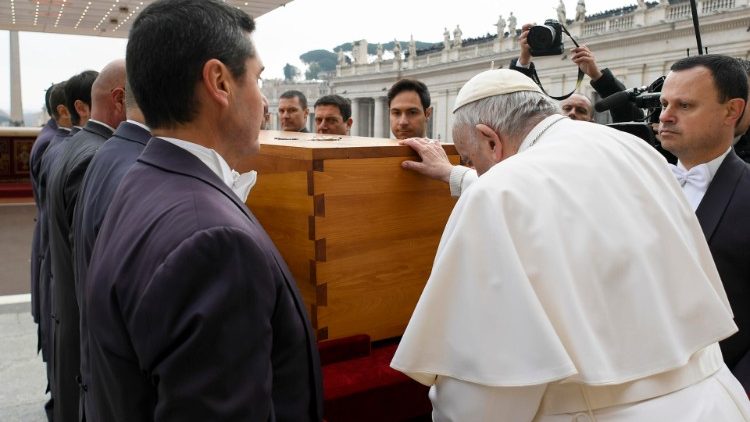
159,295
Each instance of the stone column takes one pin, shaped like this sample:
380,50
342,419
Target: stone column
378,118
16,105
355,117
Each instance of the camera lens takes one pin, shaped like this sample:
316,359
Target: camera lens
541,37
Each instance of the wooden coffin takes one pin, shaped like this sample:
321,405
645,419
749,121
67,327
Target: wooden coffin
358,232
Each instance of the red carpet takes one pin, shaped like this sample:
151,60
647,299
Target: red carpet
16,190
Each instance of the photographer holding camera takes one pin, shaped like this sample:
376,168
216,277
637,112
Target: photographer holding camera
603,81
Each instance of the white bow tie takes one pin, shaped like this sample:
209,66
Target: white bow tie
696,177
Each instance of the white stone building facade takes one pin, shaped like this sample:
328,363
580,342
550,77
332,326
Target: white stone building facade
638,43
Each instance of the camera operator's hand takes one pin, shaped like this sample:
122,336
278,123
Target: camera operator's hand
525,57
584,58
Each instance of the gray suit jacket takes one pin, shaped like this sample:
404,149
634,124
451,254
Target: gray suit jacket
102,178
62,195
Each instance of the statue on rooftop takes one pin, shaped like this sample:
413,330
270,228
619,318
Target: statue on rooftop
457,37
581,11
340,53
355,52
447,39
641,4
561,13
379,52
500,26
412,48
396,50
512,25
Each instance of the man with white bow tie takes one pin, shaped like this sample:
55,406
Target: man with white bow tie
702,99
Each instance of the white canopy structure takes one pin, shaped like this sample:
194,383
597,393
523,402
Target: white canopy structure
101,18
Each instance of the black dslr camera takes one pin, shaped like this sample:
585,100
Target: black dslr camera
546,40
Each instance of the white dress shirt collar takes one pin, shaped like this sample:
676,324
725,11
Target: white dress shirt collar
713,165
103,124
695,195
240,184
139,124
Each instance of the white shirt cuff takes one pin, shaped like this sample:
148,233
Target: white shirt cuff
460,179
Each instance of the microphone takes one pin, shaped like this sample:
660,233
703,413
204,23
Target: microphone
614,100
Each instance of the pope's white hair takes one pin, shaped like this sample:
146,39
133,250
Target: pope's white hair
512,115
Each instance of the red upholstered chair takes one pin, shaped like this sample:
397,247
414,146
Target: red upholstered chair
359,385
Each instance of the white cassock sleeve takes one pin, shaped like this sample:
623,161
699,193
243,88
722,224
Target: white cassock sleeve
460,179
454,400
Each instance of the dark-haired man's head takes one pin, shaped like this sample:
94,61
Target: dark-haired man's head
59,111
293,111
333,115
409,108
194,71
47,105
78,96
702,99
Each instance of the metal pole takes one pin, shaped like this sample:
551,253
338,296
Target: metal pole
696,25
16,105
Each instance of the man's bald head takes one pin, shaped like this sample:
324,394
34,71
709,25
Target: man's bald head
107,94
578,107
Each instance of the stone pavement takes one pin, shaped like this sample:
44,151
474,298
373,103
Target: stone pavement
16,231
22,373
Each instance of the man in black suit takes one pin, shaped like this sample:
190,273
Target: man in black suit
107,111
76,90
190,307
102,178
703,97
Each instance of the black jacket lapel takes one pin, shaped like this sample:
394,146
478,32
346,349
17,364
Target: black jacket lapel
719,193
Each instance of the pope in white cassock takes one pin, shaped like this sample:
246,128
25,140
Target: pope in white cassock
572,282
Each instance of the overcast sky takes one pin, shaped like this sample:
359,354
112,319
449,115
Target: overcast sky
285,33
